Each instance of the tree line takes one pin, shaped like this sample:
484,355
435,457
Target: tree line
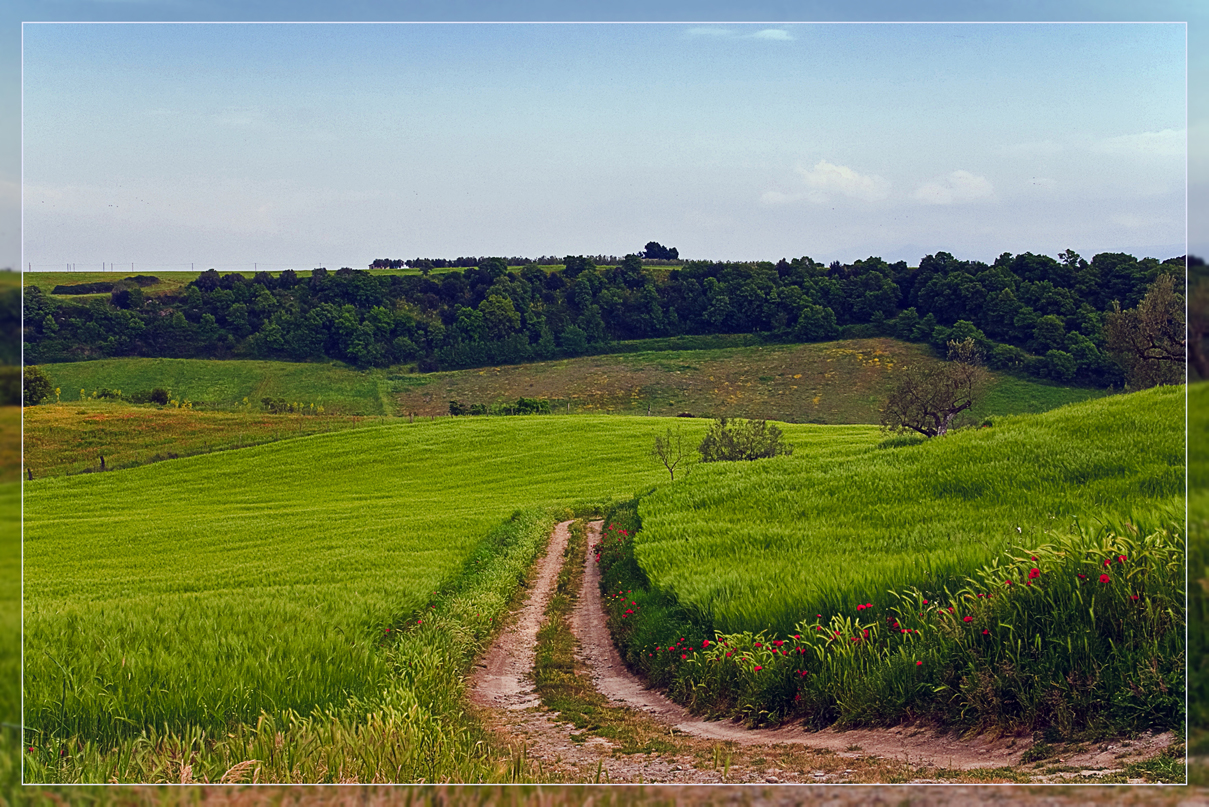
1030,313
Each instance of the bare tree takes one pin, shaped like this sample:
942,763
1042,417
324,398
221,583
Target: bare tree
671,450
929,396
1149,341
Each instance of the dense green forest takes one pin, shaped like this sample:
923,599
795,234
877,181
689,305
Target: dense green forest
1030,313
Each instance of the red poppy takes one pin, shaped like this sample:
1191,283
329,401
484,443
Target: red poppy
683,657
1033,574
925,602
1121,558
967,619
758,669
1134,597
705,642
985,632
1108,561
1007,582
1104,578
919,664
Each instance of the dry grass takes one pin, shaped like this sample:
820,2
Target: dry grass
71,437
835,383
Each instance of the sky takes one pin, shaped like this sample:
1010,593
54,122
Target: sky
170,146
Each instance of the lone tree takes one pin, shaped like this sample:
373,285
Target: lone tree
1149,341
36,386
656,251
929,396
730,439
670,449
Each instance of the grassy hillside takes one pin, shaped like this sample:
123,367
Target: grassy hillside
834,382
203,590
71,438
763,545
226,384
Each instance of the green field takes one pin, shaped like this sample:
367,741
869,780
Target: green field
70,438
201,591
763,545
226,384
841,382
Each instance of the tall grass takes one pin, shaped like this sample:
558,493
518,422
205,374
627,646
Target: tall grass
1083,633
413,728
756,546
201,593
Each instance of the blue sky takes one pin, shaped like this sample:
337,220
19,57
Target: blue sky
304,145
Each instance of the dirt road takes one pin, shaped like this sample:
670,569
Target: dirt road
788,754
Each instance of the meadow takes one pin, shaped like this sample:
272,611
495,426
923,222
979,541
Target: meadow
1039,586
197,594
71,438
229,385
839,382
763,545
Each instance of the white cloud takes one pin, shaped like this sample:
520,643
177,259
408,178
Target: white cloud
957,187
772,33
826,178
1167,143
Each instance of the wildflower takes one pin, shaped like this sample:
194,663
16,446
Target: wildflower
728,654
1082,577
925,602
1033,574
705,642
419,621
758,644
919,664
388,630
1007,582
683,656
1034,557
860,608
967,619
758,669
1121,558
797,636
1108,561
1134,597
986,632
1104,578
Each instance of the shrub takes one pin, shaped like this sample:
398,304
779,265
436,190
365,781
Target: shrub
738,439
37,386
159,395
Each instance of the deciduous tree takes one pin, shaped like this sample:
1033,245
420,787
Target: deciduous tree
671,450
1149,341
929,396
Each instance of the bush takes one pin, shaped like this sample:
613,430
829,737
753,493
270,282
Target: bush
37,386
159,395
738,439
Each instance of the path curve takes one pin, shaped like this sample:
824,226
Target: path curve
612,678
503,683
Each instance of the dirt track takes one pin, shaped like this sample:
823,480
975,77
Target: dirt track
504,682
